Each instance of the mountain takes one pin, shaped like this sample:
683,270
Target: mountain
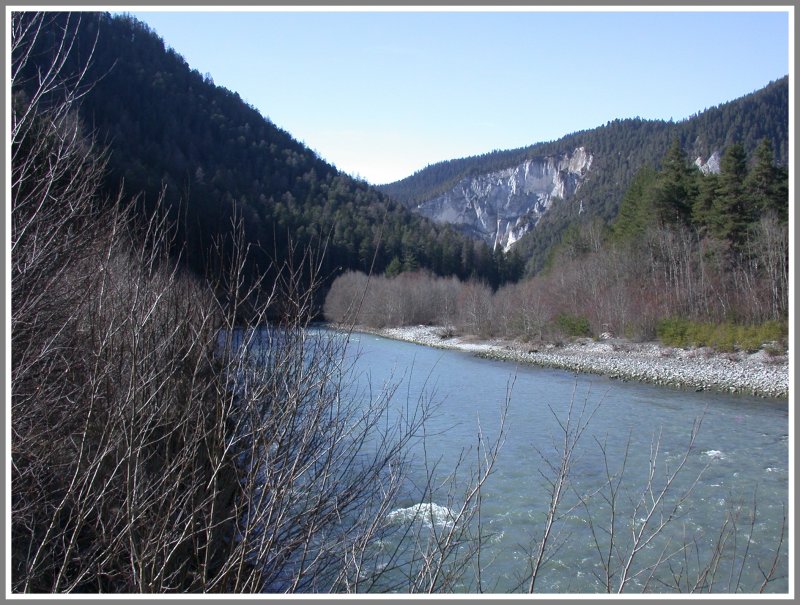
172,133
500,207
489,196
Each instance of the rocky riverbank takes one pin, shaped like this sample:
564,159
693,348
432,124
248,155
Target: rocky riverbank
760,374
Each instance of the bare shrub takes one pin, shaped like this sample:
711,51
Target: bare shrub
630,521
165,436
475,312
343,302
410,298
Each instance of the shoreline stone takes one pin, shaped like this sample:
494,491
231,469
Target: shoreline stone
755,374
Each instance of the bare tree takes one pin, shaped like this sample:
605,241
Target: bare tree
633,527
165,435
769,267
558,465
475,309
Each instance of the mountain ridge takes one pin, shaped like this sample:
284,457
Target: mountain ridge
178,141
504,158
216,159
619,148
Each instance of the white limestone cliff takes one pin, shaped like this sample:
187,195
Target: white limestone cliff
709,166
500,207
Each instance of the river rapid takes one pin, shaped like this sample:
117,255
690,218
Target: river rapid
724,510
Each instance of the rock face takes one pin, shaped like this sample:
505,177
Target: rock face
500,207
709,166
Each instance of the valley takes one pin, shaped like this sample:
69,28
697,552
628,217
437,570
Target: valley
208,391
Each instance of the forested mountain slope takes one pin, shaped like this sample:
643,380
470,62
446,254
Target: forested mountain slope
170,129
215,157
618,150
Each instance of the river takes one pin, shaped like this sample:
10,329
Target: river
740,456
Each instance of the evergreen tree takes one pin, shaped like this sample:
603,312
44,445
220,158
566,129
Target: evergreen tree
676,187
763,184
732,212
703,207
394,268
636,211
410,262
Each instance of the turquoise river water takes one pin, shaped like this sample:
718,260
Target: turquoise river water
737,464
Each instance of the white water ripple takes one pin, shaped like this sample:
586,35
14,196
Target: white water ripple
429,513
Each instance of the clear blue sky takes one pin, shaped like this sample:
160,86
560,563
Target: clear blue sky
383,94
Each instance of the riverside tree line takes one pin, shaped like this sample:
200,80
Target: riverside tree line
693,258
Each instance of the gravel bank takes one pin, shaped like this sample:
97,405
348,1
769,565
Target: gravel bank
698,369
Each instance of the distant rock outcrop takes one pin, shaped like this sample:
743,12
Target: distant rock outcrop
709,166
500,207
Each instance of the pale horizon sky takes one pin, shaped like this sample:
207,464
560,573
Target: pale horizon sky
383,94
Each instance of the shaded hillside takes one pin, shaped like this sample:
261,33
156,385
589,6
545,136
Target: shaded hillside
619,149
168,126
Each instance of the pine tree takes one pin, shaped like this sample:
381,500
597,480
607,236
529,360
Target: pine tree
410,262
395,267
676,189
703,207
636,208
763,183
732,211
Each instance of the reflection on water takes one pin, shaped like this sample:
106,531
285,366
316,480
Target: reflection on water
642,432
